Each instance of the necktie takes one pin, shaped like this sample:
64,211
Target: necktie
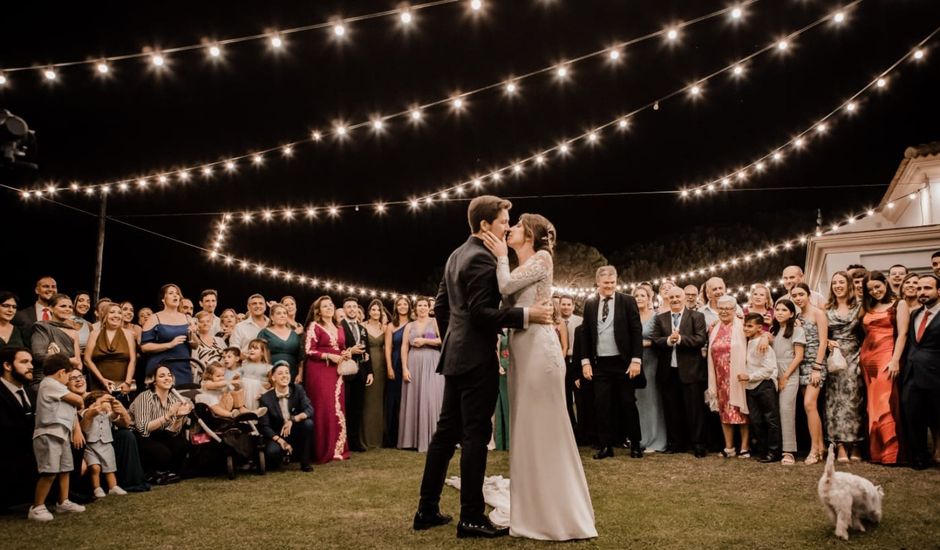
923,325
605,311
675,320
45,314
22,395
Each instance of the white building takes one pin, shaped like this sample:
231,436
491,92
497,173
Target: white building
905,228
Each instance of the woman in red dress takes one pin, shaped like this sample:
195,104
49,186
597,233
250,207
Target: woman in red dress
325,349
885,322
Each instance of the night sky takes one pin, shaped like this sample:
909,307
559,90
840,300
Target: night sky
138,123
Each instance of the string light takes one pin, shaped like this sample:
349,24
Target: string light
50,74
415,113
517,166
102,67
476,5
276,41
3,79
157,60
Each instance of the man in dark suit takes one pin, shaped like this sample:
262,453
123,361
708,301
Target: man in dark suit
288,425
920,375
612,351
25,318
356,341
17,408
678,336
468,313
583,395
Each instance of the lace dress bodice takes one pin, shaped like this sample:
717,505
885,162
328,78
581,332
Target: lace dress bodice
528,284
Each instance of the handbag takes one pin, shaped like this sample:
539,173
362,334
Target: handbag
837,362
347,368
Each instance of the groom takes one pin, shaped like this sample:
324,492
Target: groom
469,315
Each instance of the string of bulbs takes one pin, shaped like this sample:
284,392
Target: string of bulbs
771,250
540,158
276,40
414,115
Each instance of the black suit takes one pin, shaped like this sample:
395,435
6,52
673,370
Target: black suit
18,480
920,387
25,319
469,316
611,383
301,433
583,395
682,387
356,386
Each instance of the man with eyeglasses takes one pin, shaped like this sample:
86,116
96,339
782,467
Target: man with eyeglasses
17,407
691,297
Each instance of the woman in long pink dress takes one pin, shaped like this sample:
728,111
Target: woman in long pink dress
325,349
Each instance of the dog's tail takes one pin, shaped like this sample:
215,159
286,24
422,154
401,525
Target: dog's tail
830,470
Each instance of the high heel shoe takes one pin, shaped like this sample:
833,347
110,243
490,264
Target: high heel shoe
813,457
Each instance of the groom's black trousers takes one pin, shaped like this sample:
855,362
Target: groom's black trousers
469,402
615,401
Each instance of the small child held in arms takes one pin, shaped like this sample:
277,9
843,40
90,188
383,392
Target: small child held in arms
56,418
225,399
255,369
761,387
99,452
232,361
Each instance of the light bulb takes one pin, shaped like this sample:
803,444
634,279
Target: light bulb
672,34
215,51
102,67
50,74
339,30
157,60
839,17
406,17
736,13
476,5
276,42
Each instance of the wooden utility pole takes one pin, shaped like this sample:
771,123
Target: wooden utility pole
99,263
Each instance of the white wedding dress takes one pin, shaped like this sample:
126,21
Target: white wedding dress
549,498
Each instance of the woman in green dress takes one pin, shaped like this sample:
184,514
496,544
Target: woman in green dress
283,341
373,424
502,404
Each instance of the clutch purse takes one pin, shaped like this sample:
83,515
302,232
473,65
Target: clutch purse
347,368
837,362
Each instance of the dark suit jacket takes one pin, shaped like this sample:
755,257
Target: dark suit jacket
25,319
921,365
16,458
297,402
694,336
468,312
628,329
365,365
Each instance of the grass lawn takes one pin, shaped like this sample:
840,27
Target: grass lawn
660,501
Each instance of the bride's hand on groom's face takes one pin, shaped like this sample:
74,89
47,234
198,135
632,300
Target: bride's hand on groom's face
495,244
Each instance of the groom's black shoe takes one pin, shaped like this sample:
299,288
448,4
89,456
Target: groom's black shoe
606,452
481,528
427,520
636,451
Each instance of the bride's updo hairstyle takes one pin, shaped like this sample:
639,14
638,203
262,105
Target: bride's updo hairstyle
540,230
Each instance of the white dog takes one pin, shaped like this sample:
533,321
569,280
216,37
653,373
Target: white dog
848,498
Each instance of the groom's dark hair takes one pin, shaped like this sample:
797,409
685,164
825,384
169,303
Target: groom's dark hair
485,207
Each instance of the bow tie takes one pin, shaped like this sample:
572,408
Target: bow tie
280,395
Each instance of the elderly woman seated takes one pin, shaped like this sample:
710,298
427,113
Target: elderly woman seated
288,425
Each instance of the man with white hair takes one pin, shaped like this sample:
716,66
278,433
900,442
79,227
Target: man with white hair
793,275
612,352
715,289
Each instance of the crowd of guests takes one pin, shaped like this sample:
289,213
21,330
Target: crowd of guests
92,400
864,362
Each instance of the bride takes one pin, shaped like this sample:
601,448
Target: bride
549,498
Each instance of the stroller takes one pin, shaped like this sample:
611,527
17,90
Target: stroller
234,441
